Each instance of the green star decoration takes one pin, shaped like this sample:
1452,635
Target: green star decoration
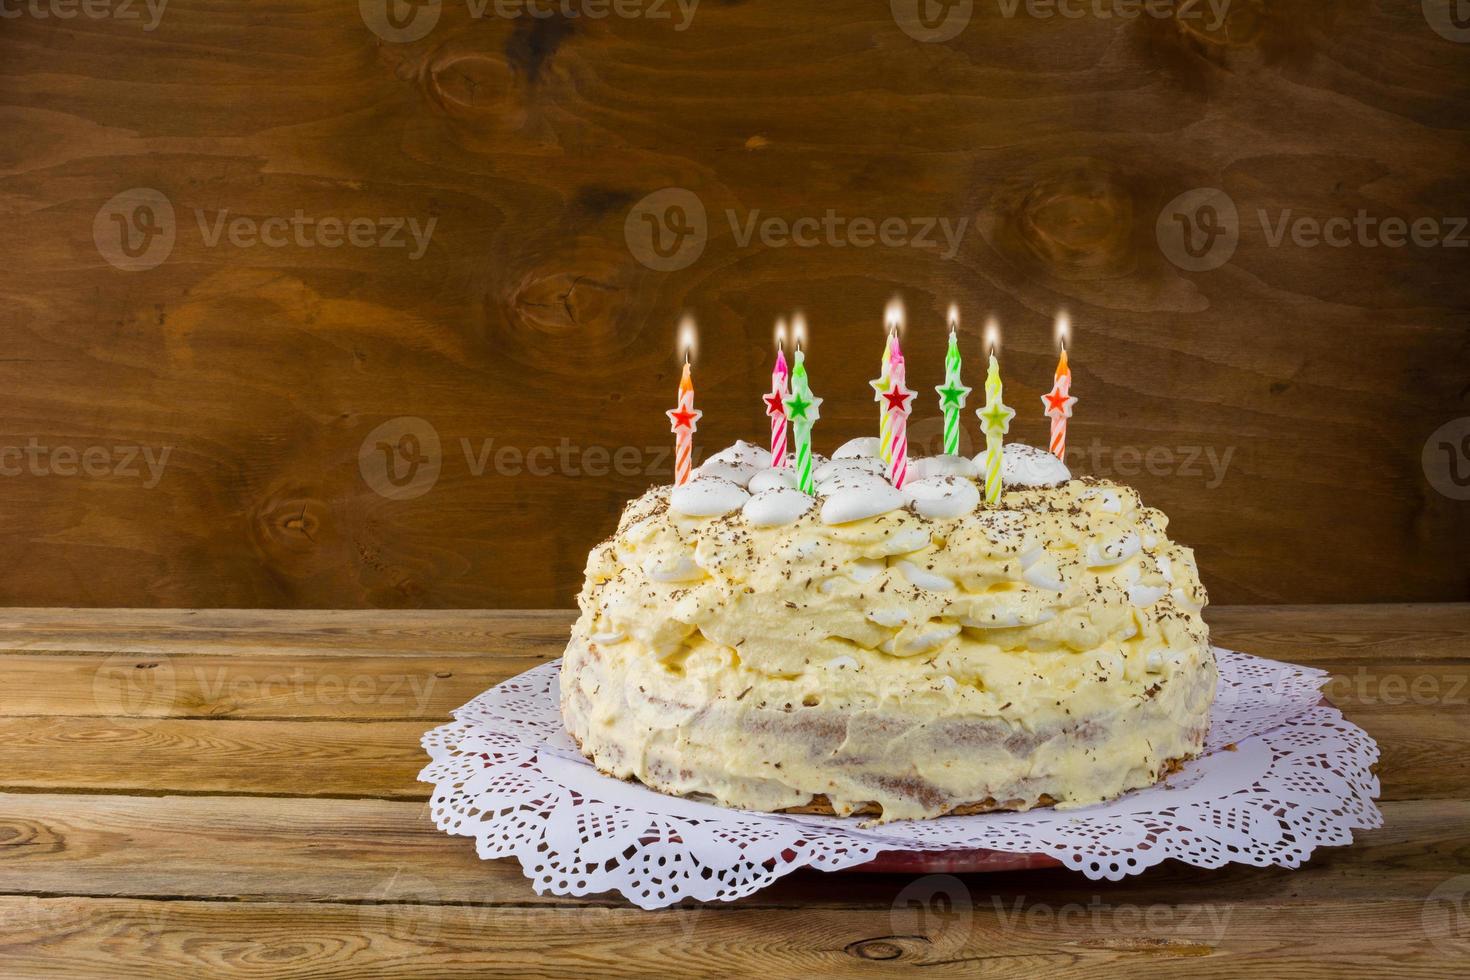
996,417
803,407
952,394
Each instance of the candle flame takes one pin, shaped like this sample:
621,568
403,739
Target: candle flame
780,332
1064,328
992,334
893,315
798,330
686,338
954,317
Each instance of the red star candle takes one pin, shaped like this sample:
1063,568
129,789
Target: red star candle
776,400
898,403
1058,402
685,417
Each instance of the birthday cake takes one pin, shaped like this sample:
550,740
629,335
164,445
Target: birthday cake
901,653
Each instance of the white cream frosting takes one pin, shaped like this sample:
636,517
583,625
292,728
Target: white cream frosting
909,649
777,507
708,496
855,483
1027,466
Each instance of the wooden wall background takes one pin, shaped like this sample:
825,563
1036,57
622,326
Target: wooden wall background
528,320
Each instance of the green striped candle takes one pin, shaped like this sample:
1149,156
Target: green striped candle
952,393
803,409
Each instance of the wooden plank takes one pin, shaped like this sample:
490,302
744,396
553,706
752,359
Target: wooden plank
1205,939
1371,634
1425,743
147,755
319,632
251,686
362,850
1057,141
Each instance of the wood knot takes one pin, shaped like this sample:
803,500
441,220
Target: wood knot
564,302
298,520
884,947
20,838
1076,221
1239,36
468,82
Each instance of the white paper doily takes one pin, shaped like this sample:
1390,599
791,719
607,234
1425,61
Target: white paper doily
506,773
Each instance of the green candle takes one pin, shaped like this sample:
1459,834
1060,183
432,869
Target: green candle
995,420
952,393
803,409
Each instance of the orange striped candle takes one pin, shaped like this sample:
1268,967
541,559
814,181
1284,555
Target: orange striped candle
1058,402
684,418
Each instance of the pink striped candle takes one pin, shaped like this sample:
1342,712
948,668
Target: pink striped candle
776,400
898,403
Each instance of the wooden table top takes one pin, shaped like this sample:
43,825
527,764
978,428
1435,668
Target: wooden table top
200,793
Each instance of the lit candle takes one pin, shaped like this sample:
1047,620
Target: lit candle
893,322
803,409
899,403
776,400
995,420
952,393
685,417
1058,402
